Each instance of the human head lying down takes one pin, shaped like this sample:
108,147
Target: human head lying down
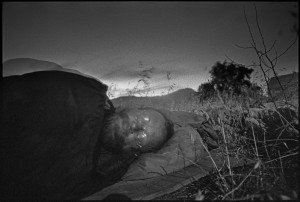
133,131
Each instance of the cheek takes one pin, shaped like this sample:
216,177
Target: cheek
113,138
129,140
153,136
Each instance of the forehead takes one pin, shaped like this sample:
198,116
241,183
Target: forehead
144,113
133,115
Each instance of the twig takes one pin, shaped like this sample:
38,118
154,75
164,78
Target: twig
223,132
282,157
254,140
273,140
222,178
265,145
249,29
280,163
290,46
236,188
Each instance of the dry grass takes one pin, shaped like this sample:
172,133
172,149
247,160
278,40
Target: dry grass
265,134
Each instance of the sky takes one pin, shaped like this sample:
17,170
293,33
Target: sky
172,45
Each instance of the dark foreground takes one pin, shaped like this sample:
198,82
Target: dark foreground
277,180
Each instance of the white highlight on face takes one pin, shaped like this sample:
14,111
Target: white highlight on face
142,135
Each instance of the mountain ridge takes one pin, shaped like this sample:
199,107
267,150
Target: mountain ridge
180,96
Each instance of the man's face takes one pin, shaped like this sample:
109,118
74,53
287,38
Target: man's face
139,130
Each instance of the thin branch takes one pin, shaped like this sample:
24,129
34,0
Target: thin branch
273,46
276,54
236,188
249,29
244,47
290,46
266,55
231,60
265,63
272,66
281,157
267,71
215,165
259,29
294,140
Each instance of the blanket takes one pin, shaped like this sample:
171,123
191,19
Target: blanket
51,124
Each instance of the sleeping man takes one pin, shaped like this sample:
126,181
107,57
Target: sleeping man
160,142
61,138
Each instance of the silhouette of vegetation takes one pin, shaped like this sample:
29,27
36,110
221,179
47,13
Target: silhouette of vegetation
267,133
232,79
255,91
207,90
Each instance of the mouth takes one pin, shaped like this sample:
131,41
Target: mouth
135,141
141,138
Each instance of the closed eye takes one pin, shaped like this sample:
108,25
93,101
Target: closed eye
136,127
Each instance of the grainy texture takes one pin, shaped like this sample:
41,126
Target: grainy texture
51,123
148,189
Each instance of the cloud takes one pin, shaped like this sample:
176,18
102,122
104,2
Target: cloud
133,70
120,73
154,89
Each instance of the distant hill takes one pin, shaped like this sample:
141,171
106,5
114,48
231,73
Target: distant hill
169,101
290,83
